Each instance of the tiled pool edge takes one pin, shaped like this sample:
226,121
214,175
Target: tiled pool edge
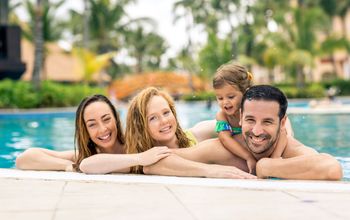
309,186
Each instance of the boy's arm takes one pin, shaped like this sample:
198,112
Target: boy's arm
300,162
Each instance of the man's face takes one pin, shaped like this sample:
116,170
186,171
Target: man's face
261,126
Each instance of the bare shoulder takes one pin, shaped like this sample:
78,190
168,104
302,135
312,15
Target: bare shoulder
296,148
204,130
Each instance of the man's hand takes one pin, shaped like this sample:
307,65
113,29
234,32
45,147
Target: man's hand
261,168
251,163
69,168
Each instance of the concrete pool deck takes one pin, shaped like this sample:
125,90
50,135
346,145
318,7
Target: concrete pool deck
60,195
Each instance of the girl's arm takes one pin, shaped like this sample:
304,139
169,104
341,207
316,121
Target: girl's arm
121,163
233,146
44,159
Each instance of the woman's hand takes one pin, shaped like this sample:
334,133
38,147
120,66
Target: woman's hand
69,168
153,155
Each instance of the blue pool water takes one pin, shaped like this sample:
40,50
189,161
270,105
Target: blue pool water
325,132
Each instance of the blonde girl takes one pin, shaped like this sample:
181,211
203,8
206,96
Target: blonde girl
152,121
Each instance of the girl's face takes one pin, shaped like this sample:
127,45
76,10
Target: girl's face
161,120
229,98
101,126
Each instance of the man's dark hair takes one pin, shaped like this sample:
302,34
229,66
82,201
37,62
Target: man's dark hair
266,93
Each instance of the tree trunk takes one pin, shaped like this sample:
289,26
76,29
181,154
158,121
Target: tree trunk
271,75
86,25
190,82
38,44
4,11
300,76
139,63
343,24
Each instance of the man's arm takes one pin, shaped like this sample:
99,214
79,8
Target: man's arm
300,162
174,165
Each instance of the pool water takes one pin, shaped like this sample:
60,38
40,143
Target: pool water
325,132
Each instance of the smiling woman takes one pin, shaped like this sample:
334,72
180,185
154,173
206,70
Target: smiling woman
100,144
152,121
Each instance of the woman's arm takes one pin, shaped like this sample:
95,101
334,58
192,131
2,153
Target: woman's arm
44,159
178,166
233,146
204,130
121,163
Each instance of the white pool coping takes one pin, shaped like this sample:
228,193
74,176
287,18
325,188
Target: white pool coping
310,186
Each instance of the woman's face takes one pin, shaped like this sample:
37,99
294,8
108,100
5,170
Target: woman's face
161,120
101,126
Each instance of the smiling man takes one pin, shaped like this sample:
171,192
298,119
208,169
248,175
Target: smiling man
263,117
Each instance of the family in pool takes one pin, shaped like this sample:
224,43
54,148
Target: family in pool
254,137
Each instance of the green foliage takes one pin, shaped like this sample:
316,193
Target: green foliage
342,85
199,96
213,55
314,90
21,94
52,26
17,94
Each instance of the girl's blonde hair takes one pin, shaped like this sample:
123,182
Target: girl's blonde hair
84,146
233,74
138,138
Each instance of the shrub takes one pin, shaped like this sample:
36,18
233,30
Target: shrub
21,94
199,96
342,85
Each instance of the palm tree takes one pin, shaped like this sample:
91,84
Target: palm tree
4,11
342,9
147,48
332,8
107,26
51,28
298,38
38,43
213,54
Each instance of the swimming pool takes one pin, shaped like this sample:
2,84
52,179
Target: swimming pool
55,130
